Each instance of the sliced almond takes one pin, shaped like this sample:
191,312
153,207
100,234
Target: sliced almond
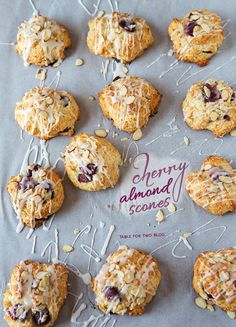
37,199
91,98
171,207
214,116
186,140
231,314
225,95
100,132
233,132
47,34
123,90
129,99
226,179
35,28
41,74
224,276
205,27
124,139
210,308
56,64
125,69
160,216
187,234
49,100
194,17
101,13
67,248
137,135
79,62
207,167
129,277
207,91
201,303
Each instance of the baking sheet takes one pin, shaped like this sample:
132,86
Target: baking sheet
174,303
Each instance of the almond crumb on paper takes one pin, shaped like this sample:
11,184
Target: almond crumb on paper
67,248
41,74
76,231
100,132
171,207
91,98
233,132
160,216
200,302
137,135
186,140
79,62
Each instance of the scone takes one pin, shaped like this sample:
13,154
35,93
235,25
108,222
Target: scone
46,113
127,282
35,294
196,37
210,105
36,194
214,278
92,163
119,36
213,186
42,41
129,102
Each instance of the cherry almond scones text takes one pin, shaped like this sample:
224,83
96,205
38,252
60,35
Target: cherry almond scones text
129,102
127,282
119,36
213,186
35,294
92,163
197,37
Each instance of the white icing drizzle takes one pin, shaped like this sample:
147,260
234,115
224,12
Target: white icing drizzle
172,66
29,234
56,245
44,155
7,43
35,11
220,67
56,79
48,223
157,59
90,252
117,5
91,245
107,240
20,226
182,80
125,155
90,13
86,277
173,129
117,69
226,22
30,149
111,5
85,230
114,322
34,244
76,311
173,213
105,67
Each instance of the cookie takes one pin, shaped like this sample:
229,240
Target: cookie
36,194
46,113
35,294
213,186
92,163
119,36
196,37
210,105
129,102
42,41
127,282
214,278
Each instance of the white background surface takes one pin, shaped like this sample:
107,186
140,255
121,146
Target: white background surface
174,302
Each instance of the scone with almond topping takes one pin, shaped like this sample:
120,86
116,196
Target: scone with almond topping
197,36
92,163
210,105
129,102
46,113
127,282
119,35
36,194
42,41
35,294
214,279
213,186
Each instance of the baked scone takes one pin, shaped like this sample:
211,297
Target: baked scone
214,278
42,41
129,102
36,194
213,186
119,36
92,163
35,294
46,113
127,282
196,37
210,105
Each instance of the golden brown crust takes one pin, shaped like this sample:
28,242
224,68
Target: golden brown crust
129,102
210,105
92,163
35,289
214,278
197,37
127,282
46,113
119,35
213,186
42,41
36,194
